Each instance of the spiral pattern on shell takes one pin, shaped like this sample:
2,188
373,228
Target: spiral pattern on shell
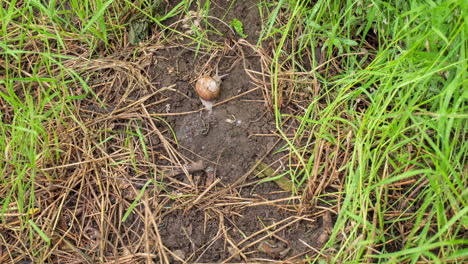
207,88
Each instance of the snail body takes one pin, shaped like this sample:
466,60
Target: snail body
208,89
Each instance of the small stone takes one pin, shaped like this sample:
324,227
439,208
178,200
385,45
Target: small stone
233,252
180,254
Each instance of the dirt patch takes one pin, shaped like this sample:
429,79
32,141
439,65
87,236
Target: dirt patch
235,219
232,138
231,134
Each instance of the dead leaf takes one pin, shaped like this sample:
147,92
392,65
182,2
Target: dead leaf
264,171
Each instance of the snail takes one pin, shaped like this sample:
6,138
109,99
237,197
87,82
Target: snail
208,89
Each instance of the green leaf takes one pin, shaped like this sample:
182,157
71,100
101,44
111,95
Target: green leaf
348,42
135,202
238,27
39,231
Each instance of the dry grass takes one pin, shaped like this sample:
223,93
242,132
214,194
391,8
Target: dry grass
105,193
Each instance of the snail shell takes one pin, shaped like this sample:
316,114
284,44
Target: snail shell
207,87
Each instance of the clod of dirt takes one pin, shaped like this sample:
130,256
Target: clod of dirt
327,228
191,167
273,249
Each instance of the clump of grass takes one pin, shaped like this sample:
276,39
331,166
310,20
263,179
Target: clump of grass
387,123
38,91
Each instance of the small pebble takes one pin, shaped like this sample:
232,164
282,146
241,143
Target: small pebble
233,252
179,253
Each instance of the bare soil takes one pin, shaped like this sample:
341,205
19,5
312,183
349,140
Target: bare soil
233,137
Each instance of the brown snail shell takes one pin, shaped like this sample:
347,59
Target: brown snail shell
207,87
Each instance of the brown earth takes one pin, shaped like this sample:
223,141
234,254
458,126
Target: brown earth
230,139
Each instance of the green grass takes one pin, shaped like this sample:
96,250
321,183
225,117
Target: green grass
37,92
396,110
413,125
